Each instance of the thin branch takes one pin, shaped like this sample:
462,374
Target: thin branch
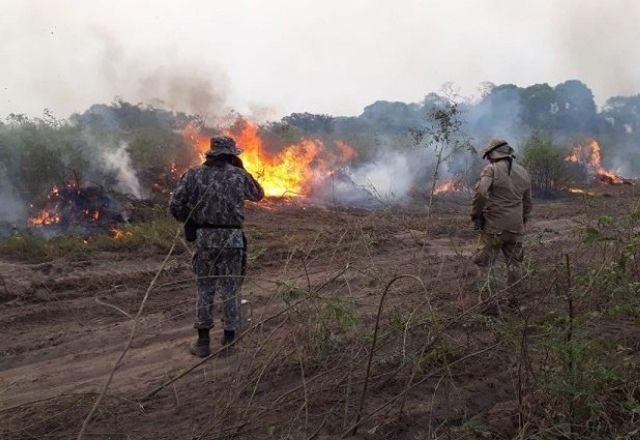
86,421
240,337
113,306
373,346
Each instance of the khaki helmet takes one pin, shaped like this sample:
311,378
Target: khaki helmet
223,145
497,149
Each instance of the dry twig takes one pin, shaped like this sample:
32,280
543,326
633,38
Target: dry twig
132,334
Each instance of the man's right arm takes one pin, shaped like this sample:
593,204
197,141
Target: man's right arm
179,205
527,205
481,194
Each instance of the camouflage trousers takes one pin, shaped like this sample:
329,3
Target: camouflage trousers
491,245
218,269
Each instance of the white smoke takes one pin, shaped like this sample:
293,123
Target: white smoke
392,175
119,162
386,177
12,209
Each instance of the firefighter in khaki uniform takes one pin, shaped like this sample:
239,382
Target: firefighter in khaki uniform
501,206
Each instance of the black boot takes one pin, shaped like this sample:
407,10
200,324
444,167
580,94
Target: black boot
201,348
227,338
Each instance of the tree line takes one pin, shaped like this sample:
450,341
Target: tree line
36,153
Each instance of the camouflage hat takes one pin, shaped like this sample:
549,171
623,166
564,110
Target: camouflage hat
497,149
223,145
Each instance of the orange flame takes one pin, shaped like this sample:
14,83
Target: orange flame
118,234
44,218
580,191
200,141
447,186
60,200
589,156
291,171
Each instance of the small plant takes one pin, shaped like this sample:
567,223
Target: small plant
444,134
586,381
329,321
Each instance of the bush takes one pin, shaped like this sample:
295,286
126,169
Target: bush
151,237
546,165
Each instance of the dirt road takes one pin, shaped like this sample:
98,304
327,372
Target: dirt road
64,322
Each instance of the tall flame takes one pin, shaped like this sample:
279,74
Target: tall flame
291,171
589,156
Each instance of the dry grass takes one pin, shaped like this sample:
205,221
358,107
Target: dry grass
561,363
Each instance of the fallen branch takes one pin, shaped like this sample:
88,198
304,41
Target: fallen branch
113,306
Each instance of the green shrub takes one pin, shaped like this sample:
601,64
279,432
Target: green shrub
154,236
546,165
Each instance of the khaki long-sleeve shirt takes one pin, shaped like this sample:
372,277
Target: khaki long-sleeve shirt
503,199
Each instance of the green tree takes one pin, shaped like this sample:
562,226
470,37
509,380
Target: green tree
444,134
575,108
538,105
546,165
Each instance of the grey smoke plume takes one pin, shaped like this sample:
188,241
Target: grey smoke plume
192,86
119,162
390,176
517,41
12,209
192,90
397,176
498,115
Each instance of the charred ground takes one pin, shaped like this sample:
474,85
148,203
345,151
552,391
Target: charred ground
562,363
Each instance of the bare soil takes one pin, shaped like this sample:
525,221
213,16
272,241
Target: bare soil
61,335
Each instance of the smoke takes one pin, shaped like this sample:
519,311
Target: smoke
596,42
119,162
498,115
12,209
390,176
66,63
393,177
105,150
504,42
626,161
193,91
69,61
176,83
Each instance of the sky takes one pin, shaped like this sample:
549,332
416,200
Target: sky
269,58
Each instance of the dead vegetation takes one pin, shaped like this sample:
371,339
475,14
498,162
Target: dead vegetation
362,326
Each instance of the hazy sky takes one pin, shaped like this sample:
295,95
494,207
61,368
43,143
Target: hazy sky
329,56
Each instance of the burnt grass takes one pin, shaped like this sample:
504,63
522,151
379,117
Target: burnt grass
458,354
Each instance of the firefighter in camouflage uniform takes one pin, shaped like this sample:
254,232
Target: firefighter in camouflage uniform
209,200
501,206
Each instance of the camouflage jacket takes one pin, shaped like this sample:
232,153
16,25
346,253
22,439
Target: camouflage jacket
215,195
503,198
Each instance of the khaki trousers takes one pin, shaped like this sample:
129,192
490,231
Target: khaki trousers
491,244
